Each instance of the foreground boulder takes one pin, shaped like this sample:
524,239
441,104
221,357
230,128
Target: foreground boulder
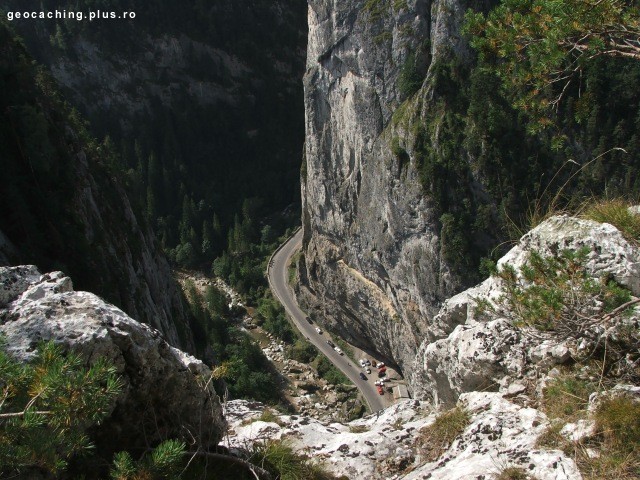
472,351
167,393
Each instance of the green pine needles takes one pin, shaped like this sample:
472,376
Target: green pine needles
165,462
47,405
556,293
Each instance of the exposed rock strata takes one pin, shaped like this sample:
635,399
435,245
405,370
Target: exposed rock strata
372,255
166,392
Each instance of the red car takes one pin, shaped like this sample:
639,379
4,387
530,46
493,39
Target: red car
380,390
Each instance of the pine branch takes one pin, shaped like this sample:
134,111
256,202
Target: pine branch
23,413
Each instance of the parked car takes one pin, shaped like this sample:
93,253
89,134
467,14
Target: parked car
362,363
368,370
331,344
309,320
363,376
367,362
319,330
381,374
380,390
337,349
373,364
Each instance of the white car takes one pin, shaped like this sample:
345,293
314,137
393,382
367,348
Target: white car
363,363
319,330
368,370
337,349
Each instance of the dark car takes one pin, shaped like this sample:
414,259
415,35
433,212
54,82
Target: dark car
331,344
309,320
363,376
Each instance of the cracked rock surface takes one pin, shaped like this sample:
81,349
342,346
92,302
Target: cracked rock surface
165,392
499,434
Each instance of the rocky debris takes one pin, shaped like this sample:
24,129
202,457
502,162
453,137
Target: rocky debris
485,351
309,394
166,392
387,446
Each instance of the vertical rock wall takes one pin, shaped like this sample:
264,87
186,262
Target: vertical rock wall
372,252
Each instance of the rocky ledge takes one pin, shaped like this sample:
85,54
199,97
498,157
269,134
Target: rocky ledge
392,445
166,394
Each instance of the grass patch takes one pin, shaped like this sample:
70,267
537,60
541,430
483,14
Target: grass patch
616,212
279,459
291,269
513,473
268,416
618,421
345,347
614,450
567,397
617,442
436,438
358,428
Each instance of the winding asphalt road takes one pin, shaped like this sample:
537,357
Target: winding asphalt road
278,275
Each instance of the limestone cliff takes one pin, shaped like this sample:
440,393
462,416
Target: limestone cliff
373,258
416,165
62,205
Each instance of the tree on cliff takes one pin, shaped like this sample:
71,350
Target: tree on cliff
47,405
541,47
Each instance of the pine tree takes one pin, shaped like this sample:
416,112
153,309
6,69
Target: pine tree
48,405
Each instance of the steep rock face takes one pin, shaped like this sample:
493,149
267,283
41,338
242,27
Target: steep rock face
64,208
210,91
372,252
166,392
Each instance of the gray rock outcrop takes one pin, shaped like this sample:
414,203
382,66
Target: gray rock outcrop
487,352
499,434
167,393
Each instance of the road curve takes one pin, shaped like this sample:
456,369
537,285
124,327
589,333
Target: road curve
278,275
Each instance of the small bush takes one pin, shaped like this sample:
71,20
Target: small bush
556,293
302,351
436,438
616,212
48,405
279,459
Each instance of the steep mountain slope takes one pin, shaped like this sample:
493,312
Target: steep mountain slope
201,100
416,164
61,205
